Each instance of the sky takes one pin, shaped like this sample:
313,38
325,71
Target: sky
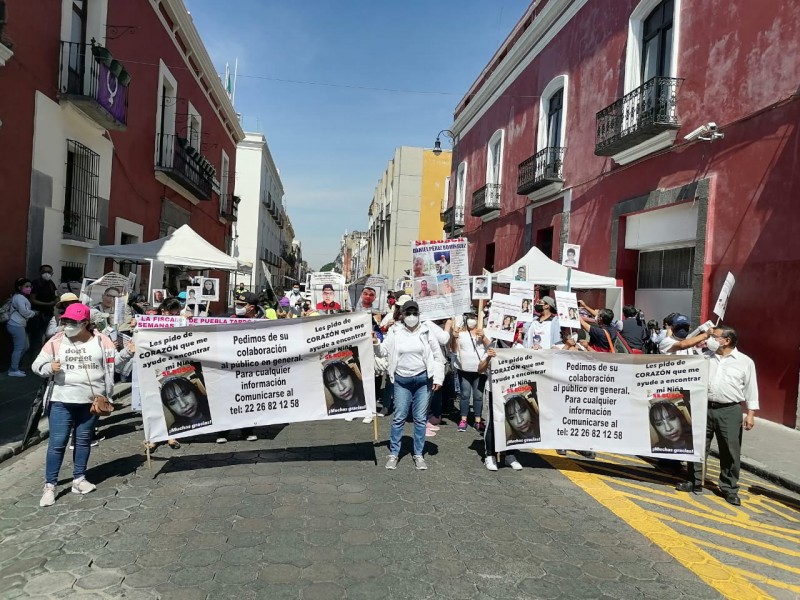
313,78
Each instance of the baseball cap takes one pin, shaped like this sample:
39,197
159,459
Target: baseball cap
549,301
248,298
410,304
76,312
403,299
68,297
182,296
680,326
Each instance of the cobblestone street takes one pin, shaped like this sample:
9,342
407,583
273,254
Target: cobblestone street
309,513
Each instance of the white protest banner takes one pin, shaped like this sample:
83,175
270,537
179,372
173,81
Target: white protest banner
440,270
572,256
523,289
567,308
503,316
625,403
369,293
724,294
327,290
203,379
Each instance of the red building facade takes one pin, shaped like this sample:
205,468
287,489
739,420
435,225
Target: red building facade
661,136
116,129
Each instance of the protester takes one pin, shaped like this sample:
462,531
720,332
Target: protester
240,289
470,346
53,326
676,340
602,335
21,312
416,367
294,297
81,362
731,382
633,329
246,307
546,309
490,460
43,298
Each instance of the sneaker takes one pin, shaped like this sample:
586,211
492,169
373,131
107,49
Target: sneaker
17,374
384,412
511,461
94,444
430,427
419,462
48,495
588,454
430,433
462,425
480,426
490,463
222,440
252,437
368,419
391,462
348,419
561,452
81,486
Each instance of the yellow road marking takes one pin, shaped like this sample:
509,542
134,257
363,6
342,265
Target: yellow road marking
773,582
765,505
722,578
748,556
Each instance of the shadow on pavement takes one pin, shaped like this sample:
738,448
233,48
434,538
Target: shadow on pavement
630,472
787,501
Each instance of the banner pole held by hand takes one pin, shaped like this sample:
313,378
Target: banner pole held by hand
569,279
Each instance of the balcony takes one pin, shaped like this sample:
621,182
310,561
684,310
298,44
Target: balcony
486,200
183,164
453,219
540,170
647,111
228,206
94,83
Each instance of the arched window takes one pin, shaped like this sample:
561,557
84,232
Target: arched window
494,159
653,37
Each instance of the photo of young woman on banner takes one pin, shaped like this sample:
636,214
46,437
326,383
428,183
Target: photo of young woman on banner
183,395
344,386
671,423
521,415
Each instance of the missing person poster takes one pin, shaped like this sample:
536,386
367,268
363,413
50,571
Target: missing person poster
724,294
482,287
572,256
504,313
369,294
203,379
647,405
440,274
567,309
328,291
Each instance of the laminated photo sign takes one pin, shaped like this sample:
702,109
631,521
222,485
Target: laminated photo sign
440,275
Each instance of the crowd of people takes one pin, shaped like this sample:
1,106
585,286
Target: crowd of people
423,369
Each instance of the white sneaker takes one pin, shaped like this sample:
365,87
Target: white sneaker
490,463
48,495
511,461
391,462
368,419
81,486
419,463
348,419
252,438
17,374
222,440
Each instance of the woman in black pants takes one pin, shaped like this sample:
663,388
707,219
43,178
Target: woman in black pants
488,438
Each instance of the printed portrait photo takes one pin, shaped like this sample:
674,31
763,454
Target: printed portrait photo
158,297
522,415
572,255
481,287
526,306
342,381
422,264
671,423
425,287
445,283
184,399
193,295
327,297
442,262
521,274
210,289
368,298
509,323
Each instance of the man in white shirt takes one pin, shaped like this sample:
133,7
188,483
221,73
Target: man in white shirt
676,341
731,381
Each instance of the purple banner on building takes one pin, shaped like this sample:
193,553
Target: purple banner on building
111,94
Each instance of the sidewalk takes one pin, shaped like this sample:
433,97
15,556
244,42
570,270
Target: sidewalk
770,451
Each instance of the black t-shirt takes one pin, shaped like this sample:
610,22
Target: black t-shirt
597,337
45,291
634,334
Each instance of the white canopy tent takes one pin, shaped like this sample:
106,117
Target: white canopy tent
183,247
545,271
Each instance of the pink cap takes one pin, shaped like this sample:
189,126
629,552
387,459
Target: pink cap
76,312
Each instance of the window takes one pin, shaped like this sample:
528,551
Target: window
446,194
488,262
81,191
225,201
494,158
72,271
193,127
666,269
553,115
653,37
77,48
165,116
555,110
461,186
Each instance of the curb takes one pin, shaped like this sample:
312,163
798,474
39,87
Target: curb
762,470
9,451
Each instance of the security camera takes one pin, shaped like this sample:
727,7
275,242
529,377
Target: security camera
693,135
707,133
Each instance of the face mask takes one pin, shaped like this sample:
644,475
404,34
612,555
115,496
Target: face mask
712,344
539,308
411,321
47,276
72,330
296,290
471,323
241,311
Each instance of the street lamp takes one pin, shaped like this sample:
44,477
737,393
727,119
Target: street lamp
437,145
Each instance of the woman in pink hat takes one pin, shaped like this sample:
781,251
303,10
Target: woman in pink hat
81,362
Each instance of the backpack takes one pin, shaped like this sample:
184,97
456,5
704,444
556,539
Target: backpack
6,310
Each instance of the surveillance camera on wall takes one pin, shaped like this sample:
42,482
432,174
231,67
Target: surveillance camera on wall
693,135
707,133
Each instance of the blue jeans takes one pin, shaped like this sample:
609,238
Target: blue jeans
65,418
472,385
20,338
410,393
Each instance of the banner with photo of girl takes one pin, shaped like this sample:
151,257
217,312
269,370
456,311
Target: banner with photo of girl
504,313
440,273
624,403
203,379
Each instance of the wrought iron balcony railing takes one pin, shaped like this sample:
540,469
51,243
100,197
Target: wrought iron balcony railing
540,170
639,115
486,200
95,83
185,165
453,218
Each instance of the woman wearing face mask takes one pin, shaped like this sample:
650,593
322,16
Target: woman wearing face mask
416,368
469,344
21,311
82,363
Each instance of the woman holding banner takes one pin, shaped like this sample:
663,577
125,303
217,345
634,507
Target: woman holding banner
416,368
488,438
470,345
